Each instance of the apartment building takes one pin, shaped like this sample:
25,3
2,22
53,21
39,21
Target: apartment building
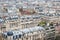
50,33
34,33
15,22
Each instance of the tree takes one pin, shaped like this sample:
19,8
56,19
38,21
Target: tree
51,24
42,23
20,9
5,9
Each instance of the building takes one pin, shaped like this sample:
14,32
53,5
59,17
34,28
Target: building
34,33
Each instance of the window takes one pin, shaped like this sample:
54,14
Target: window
40,10
53,30
51,34
22,21
13,25
52,27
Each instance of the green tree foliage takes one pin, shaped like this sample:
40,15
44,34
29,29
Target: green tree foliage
51,24
42,23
